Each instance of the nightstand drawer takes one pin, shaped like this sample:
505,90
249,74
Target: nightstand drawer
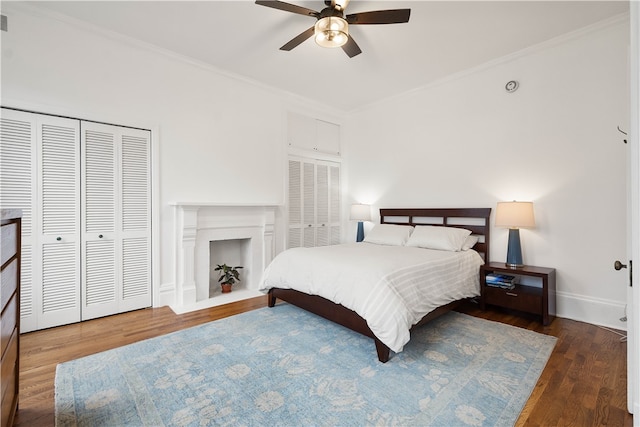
521,298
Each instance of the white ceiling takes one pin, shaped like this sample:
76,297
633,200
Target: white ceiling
441,38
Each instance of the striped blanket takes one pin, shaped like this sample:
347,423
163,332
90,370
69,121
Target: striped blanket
391,287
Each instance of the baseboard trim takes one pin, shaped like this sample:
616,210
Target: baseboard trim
166,295
596,311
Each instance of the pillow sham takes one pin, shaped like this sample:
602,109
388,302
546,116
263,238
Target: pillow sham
389,234
438,237
469,242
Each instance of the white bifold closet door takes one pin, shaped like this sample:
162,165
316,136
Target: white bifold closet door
84,189
39,169
116,223
314,203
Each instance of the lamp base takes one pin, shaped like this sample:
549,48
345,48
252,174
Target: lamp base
360,234
514,250
513,266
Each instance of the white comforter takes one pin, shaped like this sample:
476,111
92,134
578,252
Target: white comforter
391,287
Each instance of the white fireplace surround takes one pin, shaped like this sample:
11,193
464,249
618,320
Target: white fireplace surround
198,224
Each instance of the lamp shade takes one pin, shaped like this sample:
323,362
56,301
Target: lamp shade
360,212
515,215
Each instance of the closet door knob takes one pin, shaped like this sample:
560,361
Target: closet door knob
618,265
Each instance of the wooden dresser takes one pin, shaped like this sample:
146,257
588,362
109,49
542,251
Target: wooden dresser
10,320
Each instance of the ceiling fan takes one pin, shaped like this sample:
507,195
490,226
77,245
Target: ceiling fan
332,27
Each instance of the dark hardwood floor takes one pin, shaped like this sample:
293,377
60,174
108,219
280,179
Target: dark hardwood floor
585,380
583,384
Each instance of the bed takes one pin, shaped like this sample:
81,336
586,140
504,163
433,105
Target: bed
359,263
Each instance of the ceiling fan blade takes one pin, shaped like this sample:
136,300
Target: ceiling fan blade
351,48
287,7
298,39
392,16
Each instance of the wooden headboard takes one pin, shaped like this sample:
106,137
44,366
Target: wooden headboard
474,219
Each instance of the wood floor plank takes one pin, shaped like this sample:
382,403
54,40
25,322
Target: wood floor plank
584,382
585,374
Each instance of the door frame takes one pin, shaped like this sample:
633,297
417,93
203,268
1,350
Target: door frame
633,292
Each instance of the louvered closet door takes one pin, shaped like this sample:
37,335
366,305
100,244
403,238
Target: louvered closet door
135,219
335,223
59,220
294,239
314,203
17,161
322,205
308,205
327,203
116,243
39,167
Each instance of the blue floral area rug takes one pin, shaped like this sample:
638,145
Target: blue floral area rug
284,366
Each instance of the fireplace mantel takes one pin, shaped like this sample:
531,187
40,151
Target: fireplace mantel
196,224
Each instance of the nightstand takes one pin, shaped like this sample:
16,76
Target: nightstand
528,296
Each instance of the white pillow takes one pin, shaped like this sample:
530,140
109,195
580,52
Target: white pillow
438,237
389,234
469,242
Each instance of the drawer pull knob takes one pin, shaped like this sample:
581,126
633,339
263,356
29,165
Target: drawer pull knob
100,236
511,294
58,238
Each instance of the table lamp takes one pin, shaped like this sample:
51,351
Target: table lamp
515,215
360,213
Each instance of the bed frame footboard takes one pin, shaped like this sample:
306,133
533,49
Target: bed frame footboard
335,312
340,314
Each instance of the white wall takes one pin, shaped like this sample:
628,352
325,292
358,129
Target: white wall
466,142
462,142
218,139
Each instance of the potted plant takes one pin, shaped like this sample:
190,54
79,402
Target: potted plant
228,276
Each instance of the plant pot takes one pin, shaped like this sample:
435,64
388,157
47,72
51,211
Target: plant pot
226,288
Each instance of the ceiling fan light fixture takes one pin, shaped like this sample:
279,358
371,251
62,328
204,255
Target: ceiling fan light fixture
331,31
341,4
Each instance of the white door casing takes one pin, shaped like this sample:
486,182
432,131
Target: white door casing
633,294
